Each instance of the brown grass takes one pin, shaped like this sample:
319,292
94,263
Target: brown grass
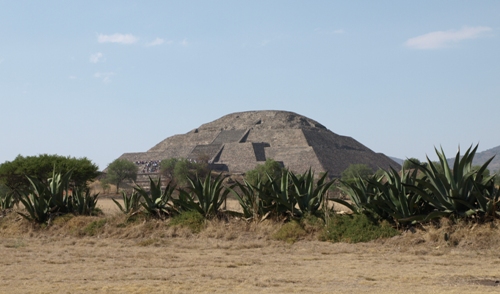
113,254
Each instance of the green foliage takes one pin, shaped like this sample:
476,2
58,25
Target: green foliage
180,169
260,172
439,190
94,227
189,219
397,201
361,192
308,193
356,228
157,202
120,170
204,196
354,171
7,201
290,232
37,205
412,163
45,200
131,204
486,172
287,195
462,190
282,195
254,199
4,189
83,203
167,167
13,173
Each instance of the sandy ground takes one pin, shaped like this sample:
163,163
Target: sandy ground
238,264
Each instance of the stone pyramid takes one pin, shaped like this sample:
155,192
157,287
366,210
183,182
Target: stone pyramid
237,142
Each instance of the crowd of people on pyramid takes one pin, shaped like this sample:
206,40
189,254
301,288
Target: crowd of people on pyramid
149,166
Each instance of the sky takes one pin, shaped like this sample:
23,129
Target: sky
97,79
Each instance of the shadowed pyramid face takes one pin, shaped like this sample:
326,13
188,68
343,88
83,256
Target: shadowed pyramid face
238,142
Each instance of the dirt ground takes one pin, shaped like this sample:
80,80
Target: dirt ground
225,261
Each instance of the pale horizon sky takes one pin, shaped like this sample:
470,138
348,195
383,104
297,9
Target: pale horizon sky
97,79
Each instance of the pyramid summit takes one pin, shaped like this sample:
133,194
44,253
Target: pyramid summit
239,141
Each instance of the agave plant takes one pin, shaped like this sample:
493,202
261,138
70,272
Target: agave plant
283,195
82,202
254,199
461,190
36,202
308,193
131,204
401,203
363,195
7,201
58,189
157,202
205,196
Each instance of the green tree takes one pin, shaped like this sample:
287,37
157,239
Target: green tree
412,163
354,171
270,166
182,171
120,170
486,172
167,167
13,173
179,169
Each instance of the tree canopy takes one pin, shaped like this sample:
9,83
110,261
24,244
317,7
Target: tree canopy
356,170
179,169
120,170
270,166
412,163
13,173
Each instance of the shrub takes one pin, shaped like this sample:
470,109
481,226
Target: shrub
13,173
192,220
94,227
290,232
261,171
356,228
354,171
180,169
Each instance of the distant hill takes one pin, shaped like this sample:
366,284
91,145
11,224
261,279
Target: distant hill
481,157
397,160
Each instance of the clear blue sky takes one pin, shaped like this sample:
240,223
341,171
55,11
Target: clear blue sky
101,78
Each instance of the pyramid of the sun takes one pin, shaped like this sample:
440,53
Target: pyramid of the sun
239,141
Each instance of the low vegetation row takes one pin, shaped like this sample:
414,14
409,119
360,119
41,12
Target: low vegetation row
380,203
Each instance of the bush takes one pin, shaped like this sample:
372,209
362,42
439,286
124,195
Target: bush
290,232
94,227
192,220
270,167
354,171
13,173
356,228
180,169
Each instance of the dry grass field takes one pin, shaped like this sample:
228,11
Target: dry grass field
75,255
